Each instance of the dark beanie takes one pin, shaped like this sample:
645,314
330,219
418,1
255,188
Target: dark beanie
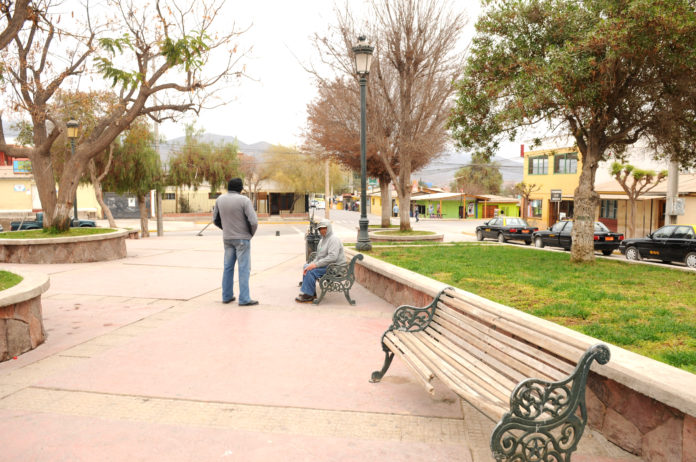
235,184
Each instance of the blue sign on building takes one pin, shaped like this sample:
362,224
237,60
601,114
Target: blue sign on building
21,166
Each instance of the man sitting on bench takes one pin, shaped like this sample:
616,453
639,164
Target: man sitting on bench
329,250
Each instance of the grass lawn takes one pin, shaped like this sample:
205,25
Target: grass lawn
44,233
404,233
645,309
8,279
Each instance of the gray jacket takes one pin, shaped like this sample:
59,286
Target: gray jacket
237,215
329,250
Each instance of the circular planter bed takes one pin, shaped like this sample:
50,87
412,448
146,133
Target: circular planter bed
380,235
21,321
73,249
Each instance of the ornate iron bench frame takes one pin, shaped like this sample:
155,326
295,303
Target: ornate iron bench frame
338,278
543,422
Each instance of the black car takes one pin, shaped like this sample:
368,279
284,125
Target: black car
504,229
559,235
669,243
38,223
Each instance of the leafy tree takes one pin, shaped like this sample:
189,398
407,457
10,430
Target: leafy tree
409,87
635,182
606,72
480,177
136,168
298,172
156,58
197,162
525,190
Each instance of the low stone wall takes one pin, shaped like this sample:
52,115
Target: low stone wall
643,406
77,249
21,321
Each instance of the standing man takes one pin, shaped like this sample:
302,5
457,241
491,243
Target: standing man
329,250
234,214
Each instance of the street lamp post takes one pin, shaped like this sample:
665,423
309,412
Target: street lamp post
363,58
73,126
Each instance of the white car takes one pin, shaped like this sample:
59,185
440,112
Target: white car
320,204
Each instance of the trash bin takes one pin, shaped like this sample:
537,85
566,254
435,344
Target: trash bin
312,239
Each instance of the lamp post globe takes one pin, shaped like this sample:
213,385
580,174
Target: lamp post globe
73,129
363,58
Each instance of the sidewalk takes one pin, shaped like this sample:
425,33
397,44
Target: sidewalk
143,362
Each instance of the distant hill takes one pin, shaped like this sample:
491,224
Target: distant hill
170,146
441,171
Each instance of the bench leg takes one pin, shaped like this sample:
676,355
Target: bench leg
377,375
347,294
321,296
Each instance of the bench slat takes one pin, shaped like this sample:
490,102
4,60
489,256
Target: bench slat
483,338
519,331
490,367
478,349
447,373
423,374
488,405
471,371
570,348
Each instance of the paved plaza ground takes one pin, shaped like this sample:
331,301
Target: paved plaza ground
144,362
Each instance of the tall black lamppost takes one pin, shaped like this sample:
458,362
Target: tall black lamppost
363,58
73,126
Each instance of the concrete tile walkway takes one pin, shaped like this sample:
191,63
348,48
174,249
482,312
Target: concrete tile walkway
143,362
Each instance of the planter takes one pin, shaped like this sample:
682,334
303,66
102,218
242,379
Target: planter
393,238
21,321
74,249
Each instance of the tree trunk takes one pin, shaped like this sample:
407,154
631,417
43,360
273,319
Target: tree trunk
633,203
144,222
386,202
99,194
586,200
67,188
404,192
45,186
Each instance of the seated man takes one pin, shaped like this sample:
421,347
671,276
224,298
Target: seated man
329,250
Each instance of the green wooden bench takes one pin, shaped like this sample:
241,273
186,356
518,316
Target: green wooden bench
488,359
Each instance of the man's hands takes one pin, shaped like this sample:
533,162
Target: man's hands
309,267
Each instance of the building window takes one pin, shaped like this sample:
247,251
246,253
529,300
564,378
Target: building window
566,163
539,165
608,209
214,195
536,205
169,196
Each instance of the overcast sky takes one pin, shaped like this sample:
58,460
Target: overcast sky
272,107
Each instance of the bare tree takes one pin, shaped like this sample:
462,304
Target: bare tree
254,174
164,50
525,190
635,182
13,18
410,83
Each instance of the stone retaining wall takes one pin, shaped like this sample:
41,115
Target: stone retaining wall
643,406
77,249
21,321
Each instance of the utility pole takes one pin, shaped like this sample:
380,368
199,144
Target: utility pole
327,189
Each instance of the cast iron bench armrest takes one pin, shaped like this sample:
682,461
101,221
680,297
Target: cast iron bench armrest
339,277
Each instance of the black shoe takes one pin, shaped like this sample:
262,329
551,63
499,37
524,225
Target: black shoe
304,298
230,300
249,303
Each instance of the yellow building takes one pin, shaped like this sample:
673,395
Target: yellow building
551,170
19,195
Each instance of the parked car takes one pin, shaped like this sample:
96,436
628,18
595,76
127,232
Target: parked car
1,228
38,223
504,229
669,243
559,235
